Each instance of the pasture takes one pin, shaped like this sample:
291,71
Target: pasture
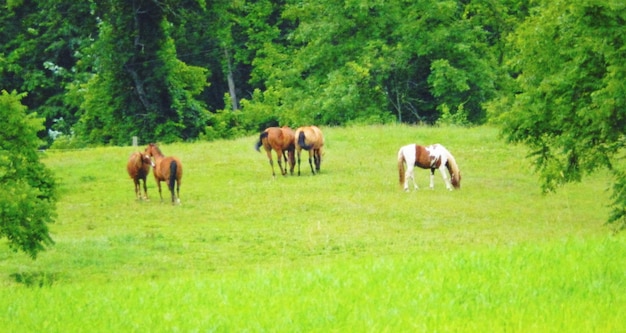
345,250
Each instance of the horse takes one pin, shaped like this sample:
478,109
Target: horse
310,138
431,157
281,139
168,169
138,167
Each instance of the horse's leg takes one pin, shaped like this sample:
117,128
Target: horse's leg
299,152
432,178
172,187
311,160
159,186
145,188
410,165
318,159
292,160
279,156
287,159
269,156
410,173
444,175
137,188
178,190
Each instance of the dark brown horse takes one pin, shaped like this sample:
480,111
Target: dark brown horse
431,157
281,139
138,167
310,138
168,169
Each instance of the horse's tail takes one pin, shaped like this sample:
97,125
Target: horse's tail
302,141
258,145
401,166
173,171
455,173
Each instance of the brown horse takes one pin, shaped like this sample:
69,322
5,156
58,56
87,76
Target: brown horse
310,138
138,167
168,169
432,157
281,139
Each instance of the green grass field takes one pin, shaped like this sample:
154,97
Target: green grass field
346,250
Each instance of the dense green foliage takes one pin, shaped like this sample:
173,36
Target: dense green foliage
101,72
570,106
27,199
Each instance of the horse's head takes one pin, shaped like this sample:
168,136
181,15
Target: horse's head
145,159
153,150
456,179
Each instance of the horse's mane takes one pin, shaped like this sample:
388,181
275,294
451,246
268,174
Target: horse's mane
455,173
156,148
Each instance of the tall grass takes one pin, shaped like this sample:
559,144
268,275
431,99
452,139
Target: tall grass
343,250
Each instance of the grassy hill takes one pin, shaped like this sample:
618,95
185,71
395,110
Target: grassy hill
343,250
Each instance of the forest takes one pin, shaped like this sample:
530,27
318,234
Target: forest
100,72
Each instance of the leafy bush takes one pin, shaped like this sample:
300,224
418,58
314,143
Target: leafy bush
28,198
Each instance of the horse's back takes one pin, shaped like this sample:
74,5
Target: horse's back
415,155
135,166
289,137
163,168
319,135
131,166
273,138
309,137
407,153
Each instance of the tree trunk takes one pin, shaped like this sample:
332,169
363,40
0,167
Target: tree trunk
231,82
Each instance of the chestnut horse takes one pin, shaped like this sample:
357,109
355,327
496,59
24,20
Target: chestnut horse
310,138
281,139
432,157
138,167
167,169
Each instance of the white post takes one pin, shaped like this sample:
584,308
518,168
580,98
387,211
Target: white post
135,144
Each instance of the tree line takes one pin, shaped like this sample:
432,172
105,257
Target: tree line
100,72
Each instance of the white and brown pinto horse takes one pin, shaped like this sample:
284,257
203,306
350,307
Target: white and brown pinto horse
431,157
310,138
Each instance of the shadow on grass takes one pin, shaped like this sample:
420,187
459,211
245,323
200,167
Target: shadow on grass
35,279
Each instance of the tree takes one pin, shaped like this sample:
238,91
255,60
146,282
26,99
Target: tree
373,61
28,197
570,104
40,45
140,86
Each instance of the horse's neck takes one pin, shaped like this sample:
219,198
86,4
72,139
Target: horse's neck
158,157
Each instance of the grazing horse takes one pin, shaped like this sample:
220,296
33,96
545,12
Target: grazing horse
281,139
432,157
310,138
138,167
167,169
